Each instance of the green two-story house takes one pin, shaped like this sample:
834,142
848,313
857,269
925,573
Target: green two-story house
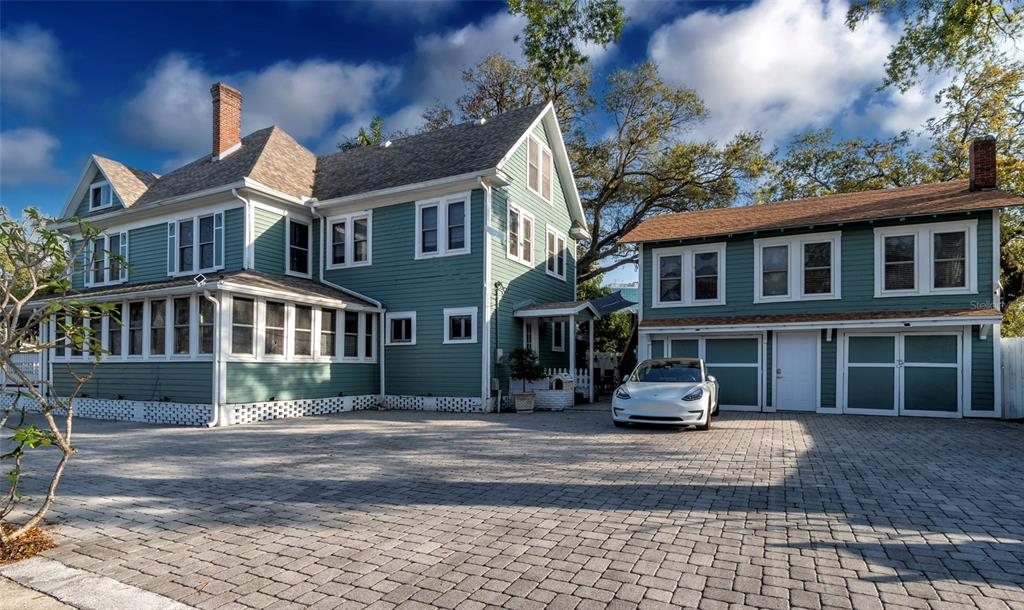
883,302
264,281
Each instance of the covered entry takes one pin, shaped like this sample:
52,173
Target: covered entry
908,373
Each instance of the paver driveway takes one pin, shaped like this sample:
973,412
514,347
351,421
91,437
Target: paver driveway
560,510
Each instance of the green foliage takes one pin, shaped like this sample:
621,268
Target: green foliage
371,135
941,35
611,333
525,364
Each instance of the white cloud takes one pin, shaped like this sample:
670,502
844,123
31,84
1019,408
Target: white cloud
776,67
173,112
26,157
421,11
31,67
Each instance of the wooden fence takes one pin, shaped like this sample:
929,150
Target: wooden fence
1013,377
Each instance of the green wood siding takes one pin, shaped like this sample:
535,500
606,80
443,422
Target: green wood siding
982,372
857,275
177,381
82,209
523,284
147,254
268,241
427,287
828,370
234,239
263,381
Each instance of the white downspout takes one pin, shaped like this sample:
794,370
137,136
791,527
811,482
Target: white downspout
485,352
323,263
247,230
214,398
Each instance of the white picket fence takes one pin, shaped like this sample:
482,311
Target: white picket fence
582,381
1013,377
30,364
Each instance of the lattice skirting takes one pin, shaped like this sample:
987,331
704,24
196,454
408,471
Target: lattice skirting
182,414
453,404
248,413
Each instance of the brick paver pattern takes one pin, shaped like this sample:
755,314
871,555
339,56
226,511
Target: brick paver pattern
416,510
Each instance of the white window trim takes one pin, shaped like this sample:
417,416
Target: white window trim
558,235
924,260
349,221
195,244
555,347
288,246
687,276
399,315
442,204
533,232
534,140
91,247
531,331
103,204
450,312
795,268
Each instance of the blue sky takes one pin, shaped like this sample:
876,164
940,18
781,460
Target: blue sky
130,81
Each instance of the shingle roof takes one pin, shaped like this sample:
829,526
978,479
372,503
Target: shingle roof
451,151
939,197
129,182
847,316
254,279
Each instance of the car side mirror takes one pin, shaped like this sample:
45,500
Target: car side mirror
712,379
625,379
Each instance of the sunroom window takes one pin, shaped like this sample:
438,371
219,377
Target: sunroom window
243,325
273,329
303,336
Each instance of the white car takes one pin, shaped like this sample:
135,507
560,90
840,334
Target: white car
668,391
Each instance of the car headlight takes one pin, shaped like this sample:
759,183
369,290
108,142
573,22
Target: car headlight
694,394
622,393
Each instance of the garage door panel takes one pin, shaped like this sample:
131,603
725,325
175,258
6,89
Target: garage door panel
931,348
737,386
931,389
865,350
871,388
685,348
657,349
732,351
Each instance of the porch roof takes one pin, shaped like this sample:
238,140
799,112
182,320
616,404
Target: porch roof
558,310
825,320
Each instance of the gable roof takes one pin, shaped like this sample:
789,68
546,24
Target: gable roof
451,151
920,200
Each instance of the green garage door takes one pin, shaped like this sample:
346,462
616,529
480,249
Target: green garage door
871,374
931,374
735,363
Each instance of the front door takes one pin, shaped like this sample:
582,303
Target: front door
796,371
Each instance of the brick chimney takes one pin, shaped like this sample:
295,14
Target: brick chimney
983,163
227,119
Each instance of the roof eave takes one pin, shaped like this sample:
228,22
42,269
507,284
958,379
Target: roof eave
408,192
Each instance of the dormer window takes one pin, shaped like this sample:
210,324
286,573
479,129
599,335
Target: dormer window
100,196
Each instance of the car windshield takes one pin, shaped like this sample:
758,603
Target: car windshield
667,372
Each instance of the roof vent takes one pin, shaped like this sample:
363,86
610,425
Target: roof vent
480,121
385,144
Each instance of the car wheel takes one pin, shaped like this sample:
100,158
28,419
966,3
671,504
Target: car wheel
619,424
715,412
706,425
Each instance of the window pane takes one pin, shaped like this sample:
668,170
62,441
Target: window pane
274,328
303,330
899,248
899,262
818,268
205,326
113,251
371,333
242,315
182,322
460,327
96,197
670,269
114,322
456,226
950,259
328,321
157,323
705,275
513,232
360,242
338,243
98,260
135,319
428,227
533,165
775,271
527,240
298,255
299,235
561,257
551,252
185,239
545,168
401,330
351,349
206,242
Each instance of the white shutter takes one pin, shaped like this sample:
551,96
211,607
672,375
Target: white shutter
87,267
123,267
218,239
172,247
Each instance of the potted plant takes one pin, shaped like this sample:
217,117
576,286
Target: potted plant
525,365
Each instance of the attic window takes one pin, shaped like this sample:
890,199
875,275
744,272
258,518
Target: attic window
100,196
538,178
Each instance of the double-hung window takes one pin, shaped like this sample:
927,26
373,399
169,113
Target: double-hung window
302,342
273,329
689,276
243,325
108,257
196,244
442,226
136,317
803,267
328,332
519,236
205,326
556,253
460,325
401,328
934,258
115,322
157,327
297,248
350,240
182,326
539,166
100,196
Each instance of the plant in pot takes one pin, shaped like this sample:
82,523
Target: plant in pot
525,365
